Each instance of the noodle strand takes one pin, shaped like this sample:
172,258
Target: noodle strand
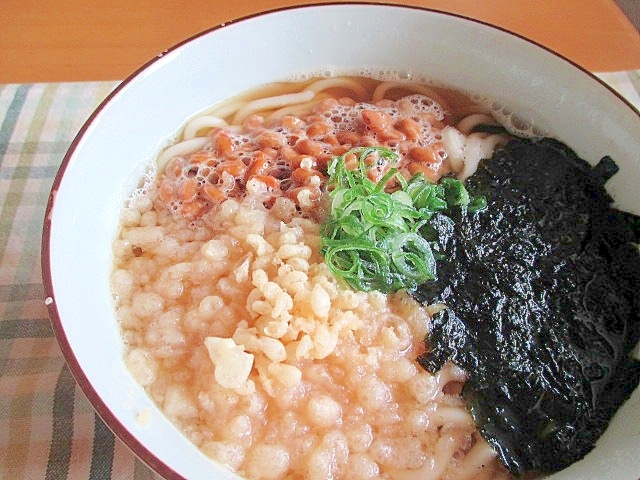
205,121
381,92
182,148
270,103
345,83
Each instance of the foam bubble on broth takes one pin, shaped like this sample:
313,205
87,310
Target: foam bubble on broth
521,124
374,73
145,185
347,118
516,124
339,118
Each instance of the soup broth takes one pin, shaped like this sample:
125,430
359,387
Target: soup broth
233,322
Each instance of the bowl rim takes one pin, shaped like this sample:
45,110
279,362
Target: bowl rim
81,378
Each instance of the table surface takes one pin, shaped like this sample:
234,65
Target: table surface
76,40
58,61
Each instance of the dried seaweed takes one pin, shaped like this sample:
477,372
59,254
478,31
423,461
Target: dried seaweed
543,297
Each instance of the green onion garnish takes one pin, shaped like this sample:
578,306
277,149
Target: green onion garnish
377,240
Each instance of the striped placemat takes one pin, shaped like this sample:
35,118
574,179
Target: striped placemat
48,429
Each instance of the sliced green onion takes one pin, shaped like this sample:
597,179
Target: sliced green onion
376,240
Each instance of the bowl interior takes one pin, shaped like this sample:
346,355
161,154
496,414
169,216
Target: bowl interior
117,143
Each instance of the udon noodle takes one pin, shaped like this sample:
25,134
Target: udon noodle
235,326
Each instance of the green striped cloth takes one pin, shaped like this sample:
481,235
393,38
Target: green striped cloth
48,429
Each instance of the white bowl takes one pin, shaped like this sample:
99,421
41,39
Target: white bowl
111,152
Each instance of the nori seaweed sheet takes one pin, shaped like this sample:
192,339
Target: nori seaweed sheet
543,296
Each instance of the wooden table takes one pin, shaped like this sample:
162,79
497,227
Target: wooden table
79,40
